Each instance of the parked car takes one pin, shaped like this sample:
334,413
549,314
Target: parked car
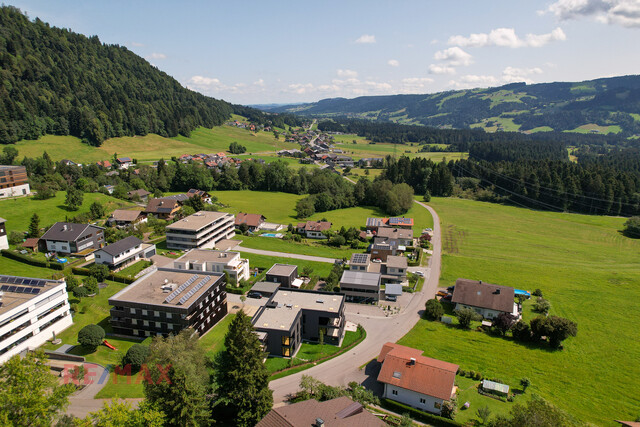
254,294
391,298
442,293
376,260
419,273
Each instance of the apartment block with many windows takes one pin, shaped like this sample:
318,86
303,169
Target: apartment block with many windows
13,181
202,230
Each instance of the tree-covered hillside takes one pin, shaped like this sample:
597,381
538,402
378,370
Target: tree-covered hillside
55,81
596,106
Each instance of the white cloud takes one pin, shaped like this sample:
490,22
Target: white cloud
512,74
299,88
156,55
614,12
347,73
366,38
136,44
204,82
454,56
472,81
415,84
441,69
507,37
259,82
393,62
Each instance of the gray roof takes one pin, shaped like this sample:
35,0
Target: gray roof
396,261
267,287
282,269
3,220
67,231
393,289
359,278
178,197
120,246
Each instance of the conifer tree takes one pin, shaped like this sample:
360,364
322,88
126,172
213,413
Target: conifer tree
34,226
241,377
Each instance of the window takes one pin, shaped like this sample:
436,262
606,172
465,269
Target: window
134,321
286,351
286,340
170,326
168,315
144,312
145,323
423,400
158,325
156,313
394,392
132,310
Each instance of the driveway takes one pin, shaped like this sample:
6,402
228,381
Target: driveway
285,255
346,368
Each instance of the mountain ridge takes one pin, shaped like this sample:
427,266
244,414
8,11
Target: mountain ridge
599,105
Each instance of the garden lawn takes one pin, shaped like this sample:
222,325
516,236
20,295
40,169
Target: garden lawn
311,247
357,217
362,149
18,211
588,271
322,269
276,207
134,268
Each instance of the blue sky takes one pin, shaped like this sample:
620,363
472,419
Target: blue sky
293,51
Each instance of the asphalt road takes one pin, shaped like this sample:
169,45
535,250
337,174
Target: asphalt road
346,367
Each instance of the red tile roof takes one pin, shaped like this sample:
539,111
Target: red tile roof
315,225
428,376
252,220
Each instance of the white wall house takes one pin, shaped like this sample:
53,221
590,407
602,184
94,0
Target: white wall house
32,311
486,299
214,262
124,252
4,242
415,380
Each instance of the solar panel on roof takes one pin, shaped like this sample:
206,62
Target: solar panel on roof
4,288
12,288
35,291
181,288
359,258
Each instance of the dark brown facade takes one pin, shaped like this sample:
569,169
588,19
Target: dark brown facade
11,176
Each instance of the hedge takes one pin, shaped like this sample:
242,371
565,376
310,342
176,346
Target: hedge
28,260
424,417
112,276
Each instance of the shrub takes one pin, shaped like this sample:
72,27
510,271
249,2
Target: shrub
91,336
72,282
91,284
15,238
465,316
136,356
99,271
433,309
521,332
541,305
80,292
471,374
537,293
477,376
337,241
462,372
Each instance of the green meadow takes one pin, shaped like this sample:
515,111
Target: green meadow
153,147
18,211
588,271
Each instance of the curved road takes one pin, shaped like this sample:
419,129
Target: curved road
345,368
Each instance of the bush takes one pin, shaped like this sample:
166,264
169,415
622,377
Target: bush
541,305
15,238
72,282
521,332
91,336
425,417
462,372
99,271
80,292
465,316
537,293
91,284
632,227
433,309
136,356
477,376
337,241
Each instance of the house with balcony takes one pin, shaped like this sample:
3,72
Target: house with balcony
124,252
166,301
291,315
31,312
69,238
486,299
392,270
163,208
214,262
314,229
202,230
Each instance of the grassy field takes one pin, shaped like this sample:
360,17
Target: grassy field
18,211
357,217
601,129
585,268
152,146
507,124
362,148
322,269
276,207
307,247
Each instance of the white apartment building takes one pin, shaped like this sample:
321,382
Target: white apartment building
31,311
202,230
124,252
214,262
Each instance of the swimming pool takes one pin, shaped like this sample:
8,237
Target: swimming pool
276,235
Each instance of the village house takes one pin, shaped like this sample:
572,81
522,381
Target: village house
163,208
124,252
68,238
143,195
104,164
392,271
415,380
486,299
394,236
124,162
285,274
206,197
124,218
253,221
314,229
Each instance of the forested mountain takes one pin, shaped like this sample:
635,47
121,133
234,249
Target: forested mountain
594,105
55,81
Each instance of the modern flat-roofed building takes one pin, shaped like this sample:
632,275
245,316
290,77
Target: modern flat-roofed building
292,315
202,230
359,286
214,262
394,270
31,311
4,242
124,252
382,250
13,181
285,274
166,301
70,238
